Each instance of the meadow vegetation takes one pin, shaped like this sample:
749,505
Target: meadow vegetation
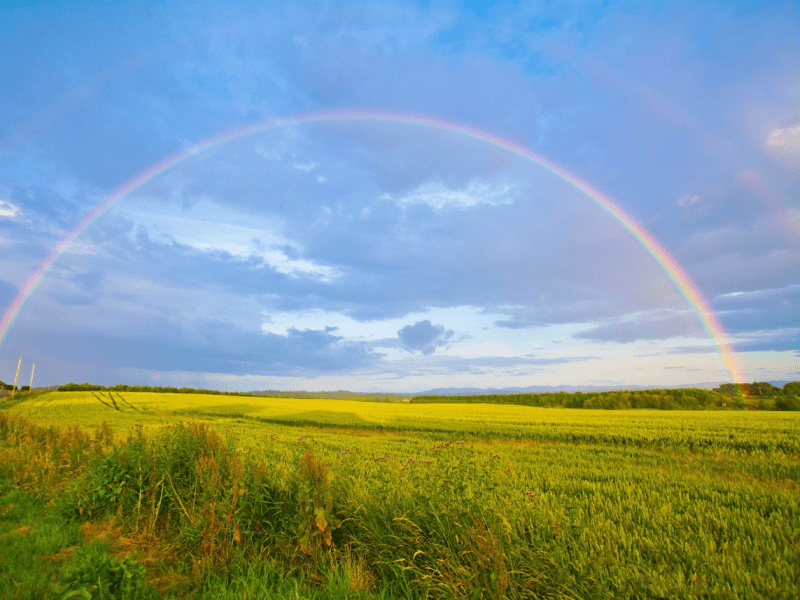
192,495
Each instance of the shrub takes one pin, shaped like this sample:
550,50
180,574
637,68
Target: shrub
787,403
95,574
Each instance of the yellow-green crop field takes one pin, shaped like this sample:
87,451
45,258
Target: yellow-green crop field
448,500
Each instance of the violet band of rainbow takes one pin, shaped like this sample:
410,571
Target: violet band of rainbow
668,264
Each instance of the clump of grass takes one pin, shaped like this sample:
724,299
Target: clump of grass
93,573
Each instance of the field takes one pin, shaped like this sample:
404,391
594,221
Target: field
435,500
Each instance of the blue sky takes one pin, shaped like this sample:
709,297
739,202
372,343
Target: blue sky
393,256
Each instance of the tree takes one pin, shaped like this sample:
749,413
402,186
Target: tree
792,389
763,388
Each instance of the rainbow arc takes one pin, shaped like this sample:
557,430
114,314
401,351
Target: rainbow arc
668,264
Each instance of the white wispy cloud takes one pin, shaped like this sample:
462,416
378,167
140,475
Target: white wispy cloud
83,249
784,144
8,210
785,137
440,197
204,228
688,200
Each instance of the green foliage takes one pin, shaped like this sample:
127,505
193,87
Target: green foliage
787,403
94,575
80,387
677,399
757,389
792,388
107,482
729,389
315,501
762,388
90,387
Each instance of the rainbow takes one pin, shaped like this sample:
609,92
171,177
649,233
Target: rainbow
669,265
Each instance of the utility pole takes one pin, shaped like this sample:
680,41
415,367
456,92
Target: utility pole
14,389
30,387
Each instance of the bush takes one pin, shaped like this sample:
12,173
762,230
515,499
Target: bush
787,403
95,574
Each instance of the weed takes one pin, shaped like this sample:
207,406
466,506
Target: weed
93,574
317,521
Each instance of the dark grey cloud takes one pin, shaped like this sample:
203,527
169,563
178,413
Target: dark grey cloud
489,256
776,340
205,346
760,309
424,337
660,325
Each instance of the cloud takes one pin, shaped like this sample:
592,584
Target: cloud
83,248
439,197
209,228
423,337
787,138
164,344
688,200
759,309
779,339
784,144
8,210
656,325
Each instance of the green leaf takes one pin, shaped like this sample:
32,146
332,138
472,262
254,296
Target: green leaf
79,593
321,521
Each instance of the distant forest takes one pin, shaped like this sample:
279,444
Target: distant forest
753,396
340,394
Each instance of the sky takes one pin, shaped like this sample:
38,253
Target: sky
400,196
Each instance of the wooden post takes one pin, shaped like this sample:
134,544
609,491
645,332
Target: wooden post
30,387
14,389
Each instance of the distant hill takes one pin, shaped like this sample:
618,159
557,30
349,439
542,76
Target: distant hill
539,389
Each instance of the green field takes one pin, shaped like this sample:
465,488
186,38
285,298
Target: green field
439,500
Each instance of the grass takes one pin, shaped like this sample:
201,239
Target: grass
34,545
291,498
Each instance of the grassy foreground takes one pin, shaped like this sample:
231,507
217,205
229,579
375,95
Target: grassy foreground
223,496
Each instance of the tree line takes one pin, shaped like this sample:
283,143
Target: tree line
753,396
